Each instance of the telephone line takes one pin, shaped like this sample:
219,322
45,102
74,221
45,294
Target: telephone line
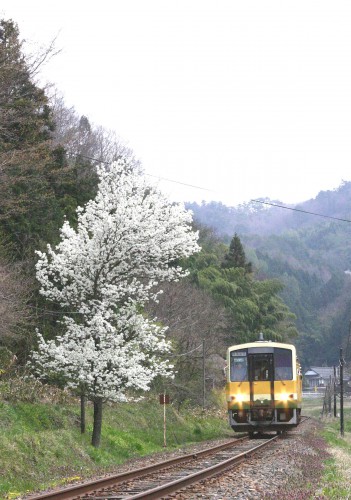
185,353
151,175
300,210
213,191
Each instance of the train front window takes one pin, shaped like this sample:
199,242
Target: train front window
261,367
282,364
238,368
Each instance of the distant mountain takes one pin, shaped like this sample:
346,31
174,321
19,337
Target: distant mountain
309,253
262,218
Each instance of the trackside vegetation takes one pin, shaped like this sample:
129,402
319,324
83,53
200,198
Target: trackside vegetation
336,478
42,447
334,482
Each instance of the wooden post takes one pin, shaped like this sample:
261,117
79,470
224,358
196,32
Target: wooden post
203,376
324,409
334,389
329,396
341,361
82,413
164,399
164,421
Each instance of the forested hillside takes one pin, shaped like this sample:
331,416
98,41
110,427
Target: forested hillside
48,156
282,271
261,268
50,248
309,253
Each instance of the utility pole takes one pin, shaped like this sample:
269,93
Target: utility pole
334,390
203,376
341,361
329,395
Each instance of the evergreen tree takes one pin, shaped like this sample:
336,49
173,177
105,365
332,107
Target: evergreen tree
25,115
252,306
27,202
236,256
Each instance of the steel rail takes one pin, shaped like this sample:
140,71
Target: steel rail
172,487
72,492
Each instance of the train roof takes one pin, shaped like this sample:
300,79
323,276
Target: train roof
262,343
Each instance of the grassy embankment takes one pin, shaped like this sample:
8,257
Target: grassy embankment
335,482
41,444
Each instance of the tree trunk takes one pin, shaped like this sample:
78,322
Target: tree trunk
82,414
97,423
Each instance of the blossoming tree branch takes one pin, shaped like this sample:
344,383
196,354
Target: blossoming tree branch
127,241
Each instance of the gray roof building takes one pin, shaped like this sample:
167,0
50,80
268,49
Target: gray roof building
318,376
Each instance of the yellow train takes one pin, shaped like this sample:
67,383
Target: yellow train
264,387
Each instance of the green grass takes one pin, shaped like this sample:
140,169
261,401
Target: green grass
334,482
41,444
312,406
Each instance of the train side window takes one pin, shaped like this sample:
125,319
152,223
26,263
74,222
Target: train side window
282,364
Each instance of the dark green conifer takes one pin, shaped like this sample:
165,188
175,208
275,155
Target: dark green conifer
31,171
236,256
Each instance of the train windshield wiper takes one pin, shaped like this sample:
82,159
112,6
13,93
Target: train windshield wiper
244,379
276,375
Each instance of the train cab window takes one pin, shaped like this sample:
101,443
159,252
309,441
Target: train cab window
261,367
282,364
238,368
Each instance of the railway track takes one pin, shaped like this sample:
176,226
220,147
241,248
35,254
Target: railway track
164,478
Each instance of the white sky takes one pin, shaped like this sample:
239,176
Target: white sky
243,98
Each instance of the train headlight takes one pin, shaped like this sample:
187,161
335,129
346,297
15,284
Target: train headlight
240,398
284,396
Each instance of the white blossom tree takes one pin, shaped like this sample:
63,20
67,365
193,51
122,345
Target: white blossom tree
128,240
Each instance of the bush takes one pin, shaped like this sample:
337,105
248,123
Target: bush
23,389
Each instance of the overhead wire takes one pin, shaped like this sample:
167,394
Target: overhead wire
151,175
252,201
181,183
185,353
300,210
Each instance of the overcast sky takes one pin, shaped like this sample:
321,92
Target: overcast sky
244,99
